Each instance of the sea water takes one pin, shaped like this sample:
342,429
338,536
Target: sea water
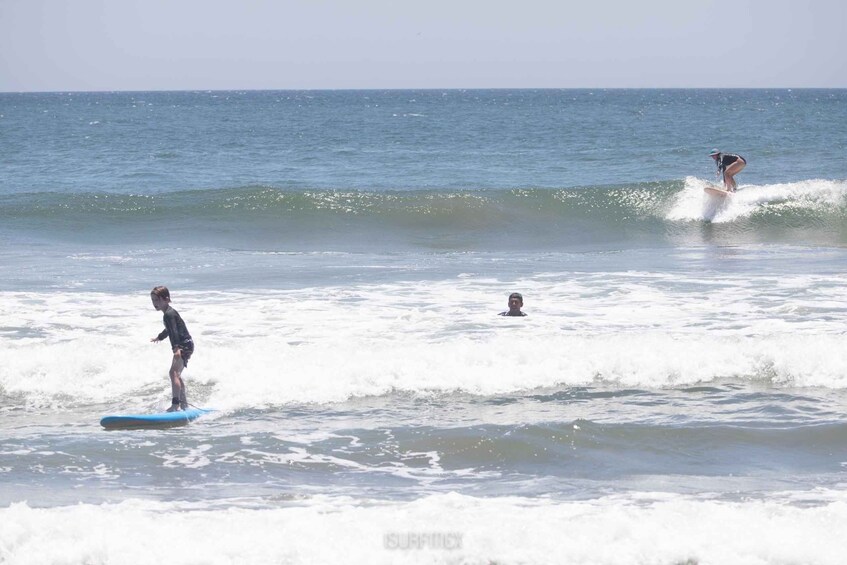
676,393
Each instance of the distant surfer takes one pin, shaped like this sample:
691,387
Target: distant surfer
729,165
181,344
515,305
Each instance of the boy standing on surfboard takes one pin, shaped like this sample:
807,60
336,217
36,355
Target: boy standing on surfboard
181,344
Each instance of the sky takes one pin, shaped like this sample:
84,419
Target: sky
95,45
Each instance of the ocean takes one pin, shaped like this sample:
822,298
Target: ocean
676,394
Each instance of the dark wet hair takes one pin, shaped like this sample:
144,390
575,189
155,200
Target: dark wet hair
516,295
162,292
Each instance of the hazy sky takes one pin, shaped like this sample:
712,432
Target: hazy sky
49,45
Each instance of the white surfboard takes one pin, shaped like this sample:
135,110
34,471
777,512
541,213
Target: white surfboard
715,191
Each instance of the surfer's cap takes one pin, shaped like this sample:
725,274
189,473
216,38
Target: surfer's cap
714,152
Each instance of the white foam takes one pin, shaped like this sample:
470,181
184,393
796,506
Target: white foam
451,528
693,204
321,345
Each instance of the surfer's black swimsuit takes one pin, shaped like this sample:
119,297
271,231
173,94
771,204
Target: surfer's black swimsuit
726,159
508,313
176,331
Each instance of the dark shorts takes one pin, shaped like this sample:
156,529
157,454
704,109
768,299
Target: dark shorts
186,350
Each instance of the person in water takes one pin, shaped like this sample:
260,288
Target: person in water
515,305
729,165
181,344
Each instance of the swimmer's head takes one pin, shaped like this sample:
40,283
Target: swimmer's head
515,301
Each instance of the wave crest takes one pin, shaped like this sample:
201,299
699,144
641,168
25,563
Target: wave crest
810,212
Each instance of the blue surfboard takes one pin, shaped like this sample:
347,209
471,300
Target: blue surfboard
159,420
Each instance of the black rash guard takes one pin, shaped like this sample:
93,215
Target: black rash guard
175,330
727,159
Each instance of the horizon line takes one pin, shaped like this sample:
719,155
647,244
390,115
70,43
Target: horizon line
428,88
